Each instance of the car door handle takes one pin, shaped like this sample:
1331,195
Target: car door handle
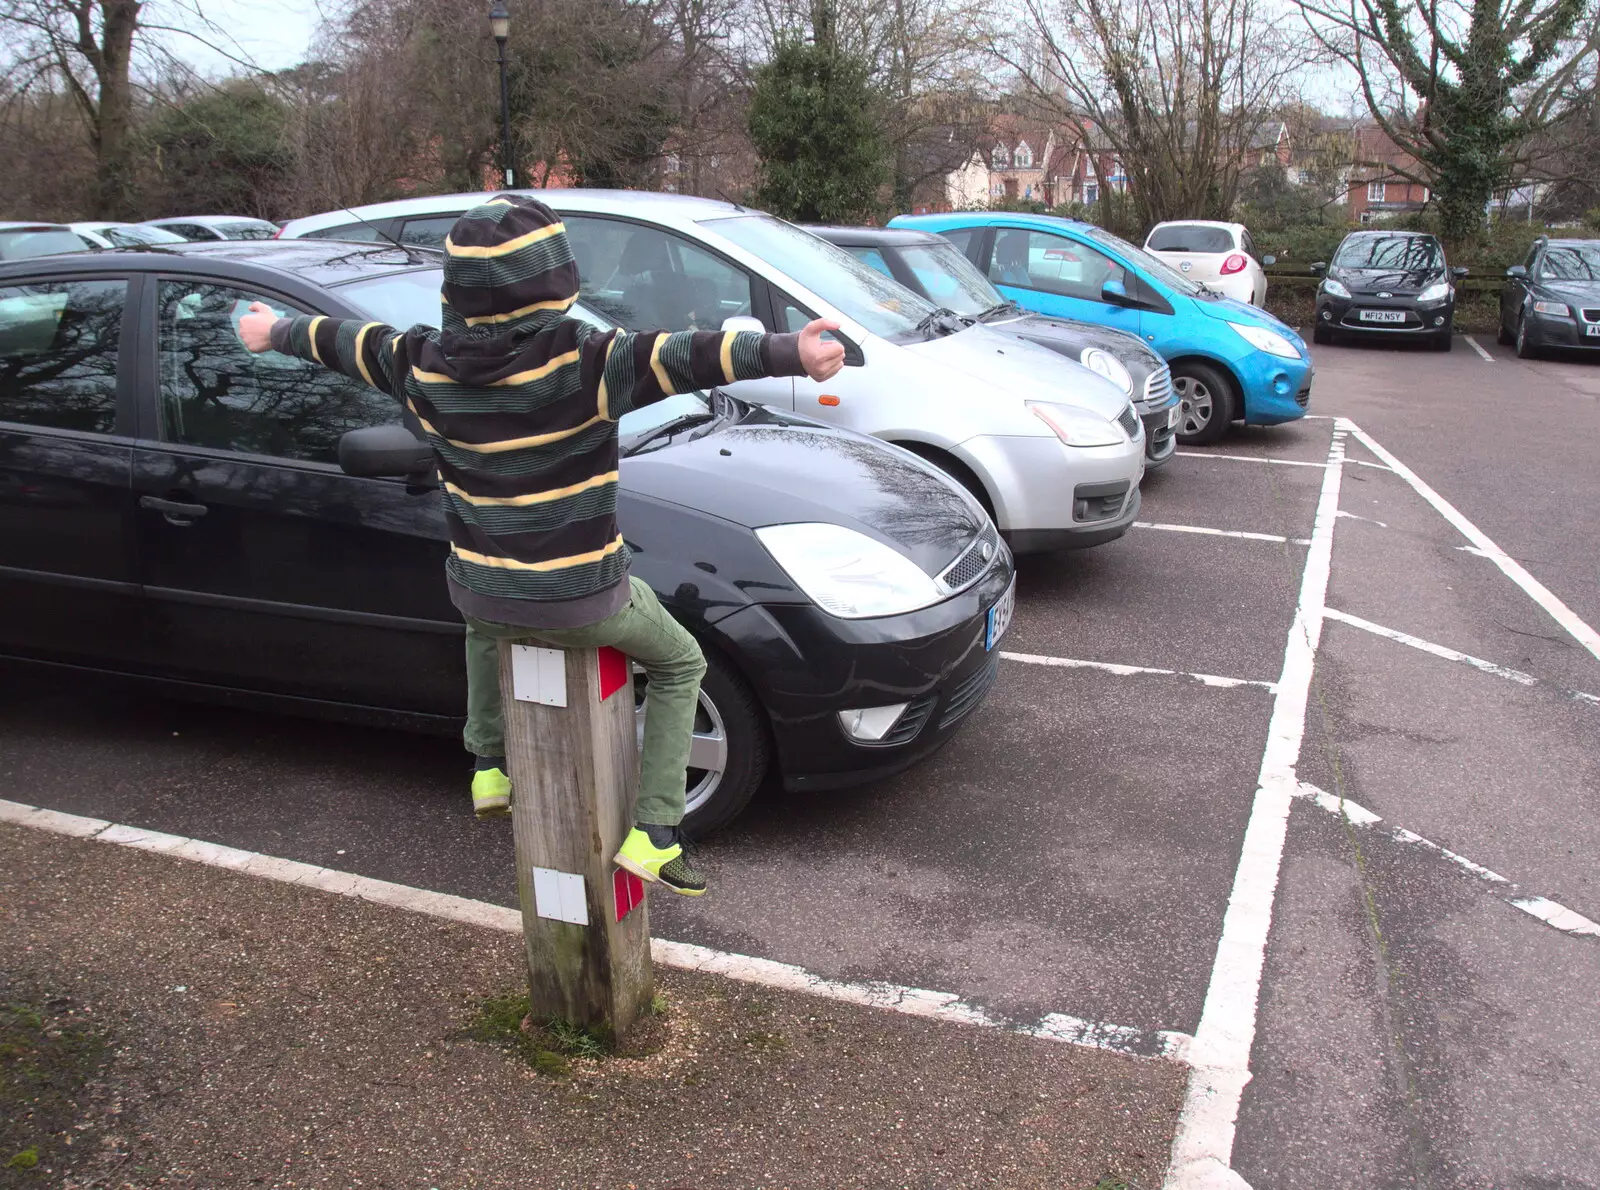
176,510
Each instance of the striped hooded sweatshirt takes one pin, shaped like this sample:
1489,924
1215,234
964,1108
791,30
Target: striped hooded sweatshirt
520,404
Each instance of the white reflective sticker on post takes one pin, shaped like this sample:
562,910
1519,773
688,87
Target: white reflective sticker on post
539,675
560,896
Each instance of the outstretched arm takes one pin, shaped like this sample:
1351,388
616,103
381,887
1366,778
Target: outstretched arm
365,351
626,371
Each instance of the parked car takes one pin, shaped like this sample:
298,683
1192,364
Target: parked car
932,266
1054,451
1553,298
1394,284
217,227
1230,361
21,241
1222,256
172,511
104,234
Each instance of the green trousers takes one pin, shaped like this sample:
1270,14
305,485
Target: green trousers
647,634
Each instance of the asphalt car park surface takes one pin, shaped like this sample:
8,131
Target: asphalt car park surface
1075,848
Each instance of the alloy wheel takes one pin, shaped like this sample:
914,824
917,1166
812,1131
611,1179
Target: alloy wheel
1196,401
708,753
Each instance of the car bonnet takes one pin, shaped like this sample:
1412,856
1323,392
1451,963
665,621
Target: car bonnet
1005,365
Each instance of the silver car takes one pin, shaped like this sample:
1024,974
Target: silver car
1053,450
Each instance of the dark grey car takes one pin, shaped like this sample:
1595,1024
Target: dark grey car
1553,298
935,268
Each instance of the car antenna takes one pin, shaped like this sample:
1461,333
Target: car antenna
411,253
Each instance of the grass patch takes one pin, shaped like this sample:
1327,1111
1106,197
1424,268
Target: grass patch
48,1053
546,1046
1110,1182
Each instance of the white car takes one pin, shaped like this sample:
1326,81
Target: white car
217,227
1222,256
108,234
1055,451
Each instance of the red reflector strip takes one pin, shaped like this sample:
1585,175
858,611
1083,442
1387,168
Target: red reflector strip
613,671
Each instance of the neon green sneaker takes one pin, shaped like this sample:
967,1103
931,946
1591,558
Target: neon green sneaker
665,863
491,793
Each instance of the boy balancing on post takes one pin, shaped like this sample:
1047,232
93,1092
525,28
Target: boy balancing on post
520,405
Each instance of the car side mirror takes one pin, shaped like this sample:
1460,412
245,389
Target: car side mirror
386,452
1319,268
1460,270
1115,293
1268,261
743,322
1519,271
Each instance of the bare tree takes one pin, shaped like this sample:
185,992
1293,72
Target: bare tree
1179,90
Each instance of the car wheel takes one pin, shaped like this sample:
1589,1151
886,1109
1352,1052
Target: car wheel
1322,334
1525,346
1505,337
1445,341
729,756
1208,403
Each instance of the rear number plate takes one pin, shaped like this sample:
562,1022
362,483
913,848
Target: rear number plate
1383,316
999,618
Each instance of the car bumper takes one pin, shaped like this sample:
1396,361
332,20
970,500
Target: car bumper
807,666
1276,390
1344,315
1160,439
1555,330
1067,496
1241,287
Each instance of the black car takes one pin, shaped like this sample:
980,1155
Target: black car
1390,283
934,267
1553,298
172,509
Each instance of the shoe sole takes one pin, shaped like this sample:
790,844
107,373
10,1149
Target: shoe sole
492,811
639,870
683,892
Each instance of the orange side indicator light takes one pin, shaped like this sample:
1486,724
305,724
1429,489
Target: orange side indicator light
826,399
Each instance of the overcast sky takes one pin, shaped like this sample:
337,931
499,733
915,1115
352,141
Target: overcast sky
270,35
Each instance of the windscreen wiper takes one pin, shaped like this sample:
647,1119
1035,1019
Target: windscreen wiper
942,321
667,429
1000,311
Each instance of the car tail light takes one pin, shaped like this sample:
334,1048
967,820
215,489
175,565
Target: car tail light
1235,263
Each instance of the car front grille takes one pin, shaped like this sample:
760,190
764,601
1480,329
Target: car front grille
970,566
1129,421
1591,315
969,694
1158,386
912,720
1303,397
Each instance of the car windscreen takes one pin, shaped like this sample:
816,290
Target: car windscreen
857,290
1380,251
1571,262
137,235
949,278
1143,260
248,231
24,243
1190,237
411,298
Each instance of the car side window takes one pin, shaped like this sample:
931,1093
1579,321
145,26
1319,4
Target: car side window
362,233
217,394
648,279
1248,243
873,257
1052,264
59,344
190,231
961,237
427,233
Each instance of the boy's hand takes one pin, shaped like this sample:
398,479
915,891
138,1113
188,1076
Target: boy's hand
255,328
821,358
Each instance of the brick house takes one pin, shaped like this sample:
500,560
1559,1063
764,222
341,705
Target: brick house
1378,186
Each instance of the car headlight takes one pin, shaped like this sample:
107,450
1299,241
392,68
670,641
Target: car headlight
1434,294
1334,288
1560,309
1104,364
1262,339
846,573
1078,427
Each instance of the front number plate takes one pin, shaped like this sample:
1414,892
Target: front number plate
1383,316
1000,616
1592,331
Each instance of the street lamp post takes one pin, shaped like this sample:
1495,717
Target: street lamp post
500,26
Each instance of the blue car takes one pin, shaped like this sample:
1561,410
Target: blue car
1230,361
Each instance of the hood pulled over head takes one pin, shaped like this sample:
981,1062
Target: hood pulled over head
508,269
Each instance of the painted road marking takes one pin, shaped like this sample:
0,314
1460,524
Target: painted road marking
1351,516
1473,343
943,1006
1202,1150
1205,454
1239,533
1448,654
1552,913
1131,670
1509,566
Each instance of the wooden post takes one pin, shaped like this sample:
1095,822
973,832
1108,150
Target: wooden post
573,758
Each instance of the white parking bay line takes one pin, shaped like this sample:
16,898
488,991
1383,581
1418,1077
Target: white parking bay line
1239,533
1202,1150
941,1006
1206,454
1513,570
1131,670
1449,654
1552,913
1476,346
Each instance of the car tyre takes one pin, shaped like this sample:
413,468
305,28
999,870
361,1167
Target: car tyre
730,727
1322,334
1208,401
1445,342
1526,349
1505,337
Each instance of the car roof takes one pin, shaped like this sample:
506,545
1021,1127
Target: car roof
1393,233
321,262
887,237
1572,241
682,206
1200,223
990,219
208,220
19,225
